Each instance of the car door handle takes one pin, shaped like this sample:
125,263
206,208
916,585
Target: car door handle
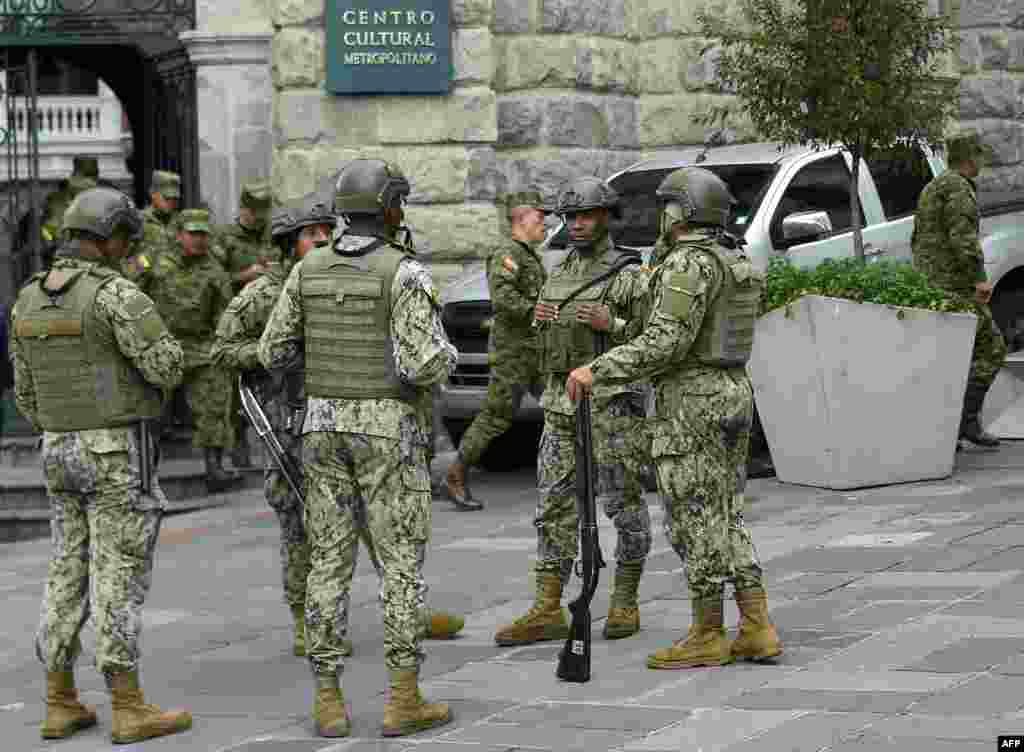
870,250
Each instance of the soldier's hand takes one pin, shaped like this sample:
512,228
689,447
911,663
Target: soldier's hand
579,383
545,312
598,316
983,292
249,273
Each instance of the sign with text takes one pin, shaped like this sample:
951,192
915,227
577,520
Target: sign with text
388,46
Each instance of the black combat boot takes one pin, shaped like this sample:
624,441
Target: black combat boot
970,426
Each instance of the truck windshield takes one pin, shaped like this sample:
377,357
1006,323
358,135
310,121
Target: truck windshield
639,223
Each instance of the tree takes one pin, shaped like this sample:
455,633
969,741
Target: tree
865,75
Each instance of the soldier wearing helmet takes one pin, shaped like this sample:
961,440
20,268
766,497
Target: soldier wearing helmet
608,304
360,319
245,247
946,247
92,361
694,348
515,275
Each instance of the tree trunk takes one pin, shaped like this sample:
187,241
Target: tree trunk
858,229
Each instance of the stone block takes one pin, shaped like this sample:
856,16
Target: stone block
289,12
975,13
467,114
606,65
294,173
659,67
548,169
600,17
253,148
297,57
512,16
486,179
659,18
620,114
472,55
669,120
995,49
297,115
1001,180
998,96
233,16
472,12
1016,51
576,121
349,120
519,120
982,696
536,61
699,63
436,174
446,233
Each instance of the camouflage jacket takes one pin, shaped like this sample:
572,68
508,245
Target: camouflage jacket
945,244
423,354
237,248
118,307
627,298
515,275
157,236
190,293
660,352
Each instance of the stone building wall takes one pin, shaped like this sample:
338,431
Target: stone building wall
992,85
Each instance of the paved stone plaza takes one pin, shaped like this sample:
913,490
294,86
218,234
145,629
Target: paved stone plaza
901,609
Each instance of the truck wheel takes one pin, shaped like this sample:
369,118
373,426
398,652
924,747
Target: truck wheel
1008,312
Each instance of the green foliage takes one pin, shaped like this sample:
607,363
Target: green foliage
861,74
886,281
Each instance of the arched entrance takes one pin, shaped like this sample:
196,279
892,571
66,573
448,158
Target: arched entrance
132,45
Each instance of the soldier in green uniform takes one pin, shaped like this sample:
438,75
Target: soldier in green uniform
694,348
947,250
84,175
160,224
609,305
191,291
234,347
92,360
361,319
515,275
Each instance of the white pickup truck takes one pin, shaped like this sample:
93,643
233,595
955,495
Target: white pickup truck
793,203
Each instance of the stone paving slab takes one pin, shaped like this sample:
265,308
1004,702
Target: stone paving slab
970,655
543,736
591,716
873,743
966,580
866,681
808,732
943,727
985,695
711,729
816,699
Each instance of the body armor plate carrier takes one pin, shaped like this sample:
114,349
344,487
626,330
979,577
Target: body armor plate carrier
726,337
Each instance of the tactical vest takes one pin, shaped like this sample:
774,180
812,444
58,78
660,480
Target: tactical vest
82,381
565,344
726,337
346,301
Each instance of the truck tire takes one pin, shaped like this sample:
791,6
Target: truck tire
1008,312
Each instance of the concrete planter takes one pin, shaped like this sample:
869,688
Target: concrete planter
859,394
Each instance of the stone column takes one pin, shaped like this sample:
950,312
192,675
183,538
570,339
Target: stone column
234,95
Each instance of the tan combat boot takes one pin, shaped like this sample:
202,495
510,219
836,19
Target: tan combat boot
64,713
757,639
704,645
407,712
133,719
329,713
624,611
544,621
441,625
458,490
299,618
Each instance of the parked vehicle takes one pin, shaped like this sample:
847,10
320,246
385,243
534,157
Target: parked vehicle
793,203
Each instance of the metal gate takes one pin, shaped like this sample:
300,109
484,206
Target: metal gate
133,46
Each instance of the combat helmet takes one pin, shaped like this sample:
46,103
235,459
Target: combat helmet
968,145
585,193
285,222
100,211
702,196
368,186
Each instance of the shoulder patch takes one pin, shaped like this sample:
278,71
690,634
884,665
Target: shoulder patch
510,265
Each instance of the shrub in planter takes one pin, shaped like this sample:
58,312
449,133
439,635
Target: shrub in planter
859,372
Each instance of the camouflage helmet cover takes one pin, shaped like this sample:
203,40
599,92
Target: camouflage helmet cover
586,193
368,186
100,211
968,145
703,196
286,221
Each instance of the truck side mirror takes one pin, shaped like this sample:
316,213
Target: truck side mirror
805,226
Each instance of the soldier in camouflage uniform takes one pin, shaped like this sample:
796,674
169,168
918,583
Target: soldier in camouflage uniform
234,347
361,319
515,275
191,291
946,249
612,308
245,250
92,358
160,228
698,338
84,174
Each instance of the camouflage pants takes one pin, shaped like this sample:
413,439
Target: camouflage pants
619,492
989,353
103,532
208,392
512,375
295,550
702,491
351,480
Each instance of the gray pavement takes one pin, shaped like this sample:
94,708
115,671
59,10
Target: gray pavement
901,609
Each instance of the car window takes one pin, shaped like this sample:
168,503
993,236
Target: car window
639,225
823,185
900,176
